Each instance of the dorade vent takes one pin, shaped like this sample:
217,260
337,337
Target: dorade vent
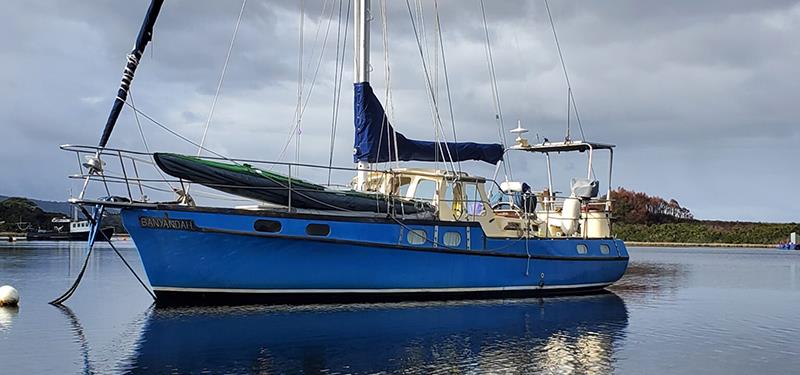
268,226
318,230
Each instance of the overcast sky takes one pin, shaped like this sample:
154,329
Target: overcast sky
701,97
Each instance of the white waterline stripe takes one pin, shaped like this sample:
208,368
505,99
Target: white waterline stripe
392,290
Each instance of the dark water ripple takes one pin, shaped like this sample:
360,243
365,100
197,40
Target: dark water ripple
676,311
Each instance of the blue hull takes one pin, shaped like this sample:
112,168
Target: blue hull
201,255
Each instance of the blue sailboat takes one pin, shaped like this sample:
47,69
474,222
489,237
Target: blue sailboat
396,234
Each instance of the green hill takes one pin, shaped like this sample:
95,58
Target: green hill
48,206
18,214
21,210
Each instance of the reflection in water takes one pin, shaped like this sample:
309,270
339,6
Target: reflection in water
113,357
650,280
80,337
571,334
7,316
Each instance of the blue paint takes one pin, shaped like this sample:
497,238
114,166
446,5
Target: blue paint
376,141
223,251
292,341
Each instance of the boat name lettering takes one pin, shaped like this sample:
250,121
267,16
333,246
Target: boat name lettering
166,223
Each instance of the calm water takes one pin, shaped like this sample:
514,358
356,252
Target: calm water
676,311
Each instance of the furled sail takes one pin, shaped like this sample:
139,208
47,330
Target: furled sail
375,143
144,37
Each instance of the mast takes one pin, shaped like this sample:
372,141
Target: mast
361,18
144,37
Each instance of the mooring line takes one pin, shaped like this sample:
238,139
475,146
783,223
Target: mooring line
139,279
71,290
90,243
95,226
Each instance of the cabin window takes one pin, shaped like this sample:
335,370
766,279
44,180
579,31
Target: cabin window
416,237
452,239
582,249
425,190
403,190
398,185
454,198
474,201
318,230
268,226
604,249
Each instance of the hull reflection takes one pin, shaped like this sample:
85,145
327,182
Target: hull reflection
571,333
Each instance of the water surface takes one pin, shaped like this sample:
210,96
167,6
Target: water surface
675,311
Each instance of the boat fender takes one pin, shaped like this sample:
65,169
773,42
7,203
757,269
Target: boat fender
570,214
8,296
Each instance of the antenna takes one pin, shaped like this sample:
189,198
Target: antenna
519,131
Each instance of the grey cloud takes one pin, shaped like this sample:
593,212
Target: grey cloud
700,96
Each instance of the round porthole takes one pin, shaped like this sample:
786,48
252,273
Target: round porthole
582,249
604,249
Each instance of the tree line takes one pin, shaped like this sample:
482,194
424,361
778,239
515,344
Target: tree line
632,207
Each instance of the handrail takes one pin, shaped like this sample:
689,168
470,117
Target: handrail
549,206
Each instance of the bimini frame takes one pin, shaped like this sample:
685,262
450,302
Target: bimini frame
570,146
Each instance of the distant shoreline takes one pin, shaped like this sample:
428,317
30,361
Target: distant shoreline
689,244
21,236
124,237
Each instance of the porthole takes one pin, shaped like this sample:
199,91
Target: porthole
268,226
452,239
604,249
416,237
582,249
318,230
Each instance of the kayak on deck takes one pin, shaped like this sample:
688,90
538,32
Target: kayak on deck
247,181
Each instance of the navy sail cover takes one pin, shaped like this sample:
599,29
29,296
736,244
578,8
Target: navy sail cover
374,141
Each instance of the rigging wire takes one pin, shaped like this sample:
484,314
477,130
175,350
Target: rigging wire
298,117
221,78
300,109
446,79
138,123
566,75
426,60
389,112
341,47
570,95
441,142
385,121
432,98
495,94
144,140
181,137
